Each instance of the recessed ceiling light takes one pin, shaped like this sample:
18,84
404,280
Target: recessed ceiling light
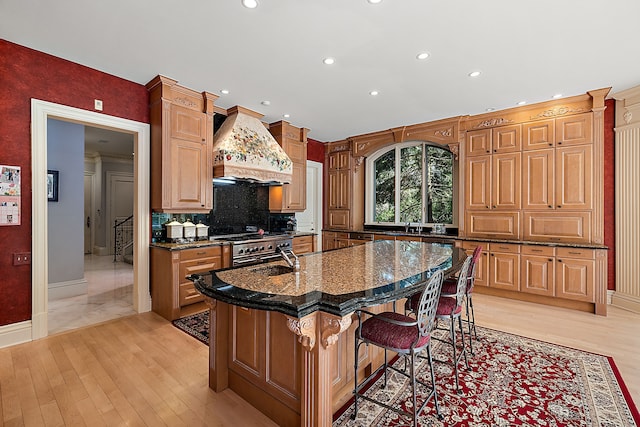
374,93
328,61
474,74
224,91
266,103
522,102
250,4
490,109
422,55
557,95
286,116
374,1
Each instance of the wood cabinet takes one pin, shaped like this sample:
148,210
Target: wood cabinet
493,181
172,294
537,266
291,197
303,244
504,266
181,147
575,274
503,139
339,185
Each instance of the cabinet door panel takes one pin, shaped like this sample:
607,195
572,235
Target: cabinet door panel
478,194
295,194
506,181
574,180
284,378
497,224
246,331
505,271
188,124
538,135
575,279
506,139
189,166
338,218
576,129
538,179
478,142
537,275
558,226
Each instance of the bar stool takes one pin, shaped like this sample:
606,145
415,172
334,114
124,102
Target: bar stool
449,288
450,309
406,336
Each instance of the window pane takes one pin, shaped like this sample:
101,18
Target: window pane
439,185
384,187
411,184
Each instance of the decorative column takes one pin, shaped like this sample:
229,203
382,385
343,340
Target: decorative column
317,332
627,293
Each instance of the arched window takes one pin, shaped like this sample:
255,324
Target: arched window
411,182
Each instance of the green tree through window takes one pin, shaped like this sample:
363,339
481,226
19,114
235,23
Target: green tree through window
413,184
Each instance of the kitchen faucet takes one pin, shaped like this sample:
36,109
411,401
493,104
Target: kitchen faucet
293,264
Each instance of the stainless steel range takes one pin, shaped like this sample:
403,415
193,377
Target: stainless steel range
256,248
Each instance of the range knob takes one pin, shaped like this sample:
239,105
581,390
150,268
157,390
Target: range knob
270,247
241,251
262,248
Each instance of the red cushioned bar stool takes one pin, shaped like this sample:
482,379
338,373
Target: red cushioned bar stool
406,336
450,309
449,287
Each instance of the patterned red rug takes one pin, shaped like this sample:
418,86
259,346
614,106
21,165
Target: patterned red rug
512,381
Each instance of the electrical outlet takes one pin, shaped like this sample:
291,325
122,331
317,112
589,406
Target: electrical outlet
22,258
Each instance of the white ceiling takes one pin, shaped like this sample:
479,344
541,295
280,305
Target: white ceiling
526,50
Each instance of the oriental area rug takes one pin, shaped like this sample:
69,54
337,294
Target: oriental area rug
511,381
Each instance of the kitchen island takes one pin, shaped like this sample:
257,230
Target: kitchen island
277,337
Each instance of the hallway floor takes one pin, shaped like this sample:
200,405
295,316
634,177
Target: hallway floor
109,296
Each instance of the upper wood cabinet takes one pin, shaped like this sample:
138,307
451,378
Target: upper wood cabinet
181,147
493,181
339,178
577,129
538,135
291,197
504,139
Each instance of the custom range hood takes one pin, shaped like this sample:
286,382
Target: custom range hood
243,149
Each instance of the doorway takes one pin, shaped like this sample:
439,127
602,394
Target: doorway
41,111
311,219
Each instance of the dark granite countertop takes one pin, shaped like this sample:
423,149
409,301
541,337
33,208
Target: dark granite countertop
337,282
473,239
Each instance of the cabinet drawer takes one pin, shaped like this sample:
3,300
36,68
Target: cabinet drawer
206,252
557,226
538,250
189,295
496,224
505,248
575,253
361,236
199,266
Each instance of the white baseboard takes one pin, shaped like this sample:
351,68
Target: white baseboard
101,250
15,333
626,301
610,296
67,289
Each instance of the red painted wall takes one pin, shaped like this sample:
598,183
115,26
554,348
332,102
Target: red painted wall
609,190
315,150
26,74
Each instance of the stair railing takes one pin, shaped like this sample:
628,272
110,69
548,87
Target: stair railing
122,237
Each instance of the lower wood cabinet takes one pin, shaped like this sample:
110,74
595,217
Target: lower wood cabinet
172,294
303,244
561,273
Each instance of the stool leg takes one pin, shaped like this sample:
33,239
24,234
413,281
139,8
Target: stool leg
413,388
355,381
433,383
468,314
473,318
452,335
464,350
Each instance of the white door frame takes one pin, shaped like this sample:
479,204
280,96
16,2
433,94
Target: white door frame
40,112
92,210
316,169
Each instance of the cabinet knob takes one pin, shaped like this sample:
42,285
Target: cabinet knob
550,207
559,260
487,207
495,151
494,206
550,259
550,144
559,206
559,142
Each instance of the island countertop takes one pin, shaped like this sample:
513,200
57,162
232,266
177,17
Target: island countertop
336,282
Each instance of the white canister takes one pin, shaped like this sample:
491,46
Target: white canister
202,230
174,229
189,229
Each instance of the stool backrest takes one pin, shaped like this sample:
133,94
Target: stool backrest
429,303
461,287
472,268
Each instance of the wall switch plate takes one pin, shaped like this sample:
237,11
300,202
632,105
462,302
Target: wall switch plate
98,104
22,258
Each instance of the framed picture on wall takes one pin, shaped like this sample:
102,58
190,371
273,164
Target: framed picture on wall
52,186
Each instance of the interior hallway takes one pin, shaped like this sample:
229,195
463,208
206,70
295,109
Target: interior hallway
109,296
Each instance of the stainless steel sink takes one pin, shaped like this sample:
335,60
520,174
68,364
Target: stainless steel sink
273,270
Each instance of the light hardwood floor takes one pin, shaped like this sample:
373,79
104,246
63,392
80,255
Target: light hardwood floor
140,370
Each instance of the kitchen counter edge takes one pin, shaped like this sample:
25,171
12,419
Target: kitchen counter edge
206,243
